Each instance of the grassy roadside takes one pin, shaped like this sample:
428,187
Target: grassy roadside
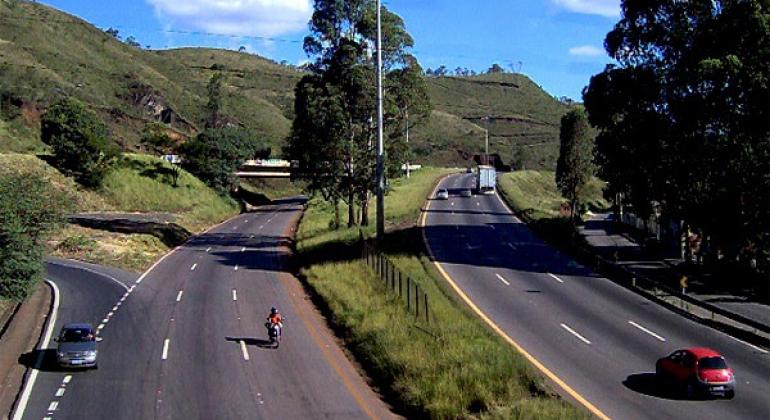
454,368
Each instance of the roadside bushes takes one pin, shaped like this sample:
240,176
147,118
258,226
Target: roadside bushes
30,208
81,143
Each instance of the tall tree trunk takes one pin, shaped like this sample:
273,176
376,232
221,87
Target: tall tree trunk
351,208
336,213
365,209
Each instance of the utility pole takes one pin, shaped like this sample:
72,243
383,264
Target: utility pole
408,168
380,140
486,142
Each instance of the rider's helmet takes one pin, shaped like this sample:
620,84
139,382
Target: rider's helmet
273,311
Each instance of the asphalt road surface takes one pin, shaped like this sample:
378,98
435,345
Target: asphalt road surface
598,338
187,339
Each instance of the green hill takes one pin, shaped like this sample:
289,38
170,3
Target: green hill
45,53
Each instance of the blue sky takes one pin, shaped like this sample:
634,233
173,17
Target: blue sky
558,43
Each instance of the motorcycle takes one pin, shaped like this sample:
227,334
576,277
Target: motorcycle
273,333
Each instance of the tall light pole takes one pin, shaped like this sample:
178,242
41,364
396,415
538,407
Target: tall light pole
380,140
408,168
486,141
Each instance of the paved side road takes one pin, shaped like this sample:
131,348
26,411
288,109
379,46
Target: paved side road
598,340
601,234
186,339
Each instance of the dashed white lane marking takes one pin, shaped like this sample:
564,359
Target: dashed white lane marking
235,227
512,246
164,356
647,331
503,280
194,266
100,327
478,204
60,391
261,227
105,320
556,278
571,331
235,295
244,350
452,204
67,379
109,315
115,308
47,418
208,249
761,350
179,295
53,406
236,268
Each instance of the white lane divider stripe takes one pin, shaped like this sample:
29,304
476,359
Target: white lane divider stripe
761,350
235,295
67,379
60,391
244,350
647,331
573,332
164,356
261,227
53,406
100,327
556,278
194,266
503,280
208,249
243,249
179,295
236,268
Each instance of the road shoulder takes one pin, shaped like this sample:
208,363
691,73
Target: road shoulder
21,337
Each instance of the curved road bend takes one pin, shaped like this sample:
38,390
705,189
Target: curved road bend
599,338
188,340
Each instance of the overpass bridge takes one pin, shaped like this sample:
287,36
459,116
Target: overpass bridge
266,168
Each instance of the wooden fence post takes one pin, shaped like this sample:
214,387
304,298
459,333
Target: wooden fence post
416,302
427,310
408,293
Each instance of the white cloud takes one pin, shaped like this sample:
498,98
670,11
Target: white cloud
608,8
265,18
586,51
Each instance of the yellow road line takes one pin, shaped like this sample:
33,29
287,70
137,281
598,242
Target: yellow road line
552,376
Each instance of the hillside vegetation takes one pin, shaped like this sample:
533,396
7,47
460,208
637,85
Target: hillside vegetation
45,53
138,184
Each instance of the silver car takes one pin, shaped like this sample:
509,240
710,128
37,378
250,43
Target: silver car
442,194
77,346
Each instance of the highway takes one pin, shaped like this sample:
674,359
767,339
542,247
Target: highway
186,339
597,339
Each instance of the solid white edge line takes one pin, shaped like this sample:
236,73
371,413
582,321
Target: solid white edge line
244,350
179,295
556,278
30,382
503,280
573,332
761,350
164,356
647,331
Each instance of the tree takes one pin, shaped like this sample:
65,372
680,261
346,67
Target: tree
575,166
333,134
113,33
155,137
133,42
496,69
80,142
30,208
215,102
214,155
242,49
688,103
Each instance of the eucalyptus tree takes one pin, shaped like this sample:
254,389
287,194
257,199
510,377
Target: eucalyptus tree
333,132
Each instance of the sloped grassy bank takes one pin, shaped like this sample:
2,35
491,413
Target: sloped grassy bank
454,367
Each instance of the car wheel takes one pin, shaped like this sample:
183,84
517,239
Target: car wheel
690,390
96,366
729,395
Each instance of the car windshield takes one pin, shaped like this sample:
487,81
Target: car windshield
76,335
712,363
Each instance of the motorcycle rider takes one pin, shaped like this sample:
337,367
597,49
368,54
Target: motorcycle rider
275,318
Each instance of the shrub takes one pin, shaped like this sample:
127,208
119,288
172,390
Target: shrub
215,155
80,142
29,209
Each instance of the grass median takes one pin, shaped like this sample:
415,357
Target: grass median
453,367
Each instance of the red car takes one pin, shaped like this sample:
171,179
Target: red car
697,371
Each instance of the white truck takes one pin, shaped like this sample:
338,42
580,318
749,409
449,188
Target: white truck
486,179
